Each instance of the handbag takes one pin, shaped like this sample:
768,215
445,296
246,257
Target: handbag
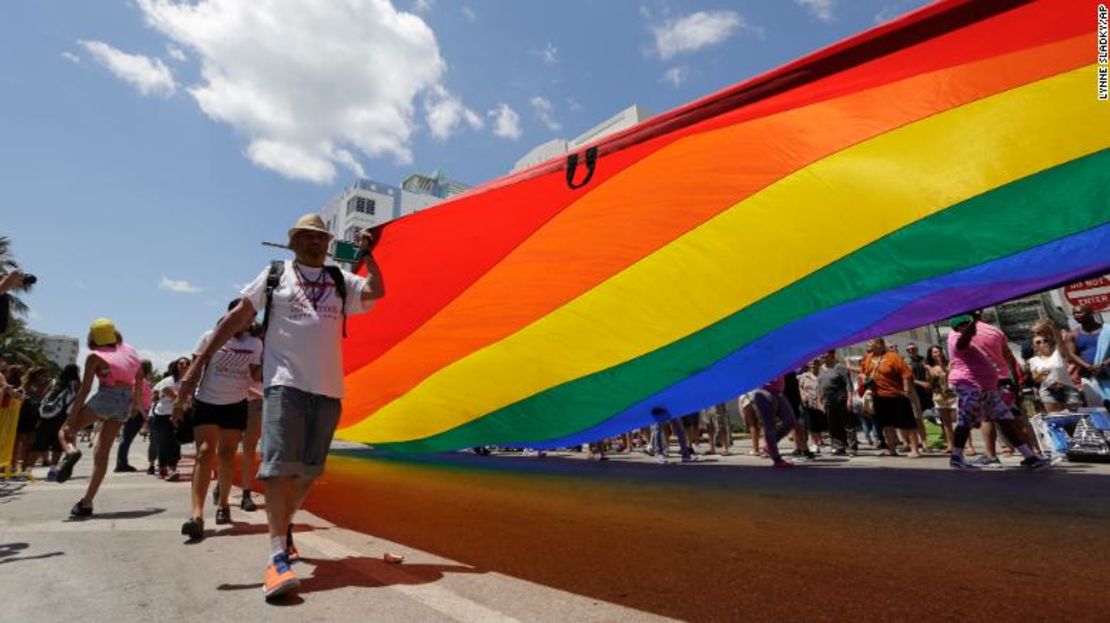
56,404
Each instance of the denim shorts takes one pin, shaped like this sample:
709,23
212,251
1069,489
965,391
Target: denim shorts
111,403
297,429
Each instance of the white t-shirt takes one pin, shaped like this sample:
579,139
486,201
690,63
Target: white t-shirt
302,341
164,406
228,373
1056,368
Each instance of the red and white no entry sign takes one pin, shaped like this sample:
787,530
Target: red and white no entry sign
1094,293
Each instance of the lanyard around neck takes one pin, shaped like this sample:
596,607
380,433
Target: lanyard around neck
318,289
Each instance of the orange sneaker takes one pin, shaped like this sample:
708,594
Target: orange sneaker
279,578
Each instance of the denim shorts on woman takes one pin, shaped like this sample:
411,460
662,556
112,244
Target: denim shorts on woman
111,403
297,429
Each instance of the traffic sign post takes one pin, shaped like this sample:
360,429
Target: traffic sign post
346,251
1094,293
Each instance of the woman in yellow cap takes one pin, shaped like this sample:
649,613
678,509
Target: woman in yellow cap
118,369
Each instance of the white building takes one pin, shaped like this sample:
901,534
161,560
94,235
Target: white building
61,349
557,147
368,203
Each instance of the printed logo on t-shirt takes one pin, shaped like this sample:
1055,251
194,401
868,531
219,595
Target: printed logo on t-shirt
328,305
232,362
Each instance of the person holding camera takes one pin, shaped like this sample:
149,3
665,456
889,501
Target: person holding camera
305,305
14,280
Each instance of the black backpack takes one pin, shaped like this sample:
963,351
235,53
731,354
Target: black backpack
273,280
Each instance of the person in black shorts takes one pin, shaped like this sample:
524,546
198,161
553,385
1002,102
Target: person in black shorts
220,417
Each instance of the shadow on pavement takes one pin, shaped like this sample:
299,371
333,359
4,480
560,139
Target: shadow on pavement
9,490
242,528
135,514
7,550
361,572
366,572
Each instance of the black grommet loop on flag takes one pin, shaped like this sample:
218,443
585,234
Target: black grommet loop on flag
572,167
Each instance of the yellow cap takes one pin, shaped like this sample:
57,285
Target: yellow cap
103,332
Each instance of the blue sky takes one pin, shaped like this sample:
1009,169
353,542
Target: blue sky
147,147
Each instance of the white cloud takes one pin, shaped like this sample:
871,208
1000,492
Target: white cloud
544,112
312,92
696,31
469,14
889,12
175,53
71,57
178,285
549,55
506,122
149,75
573,104
821,9
445,112
423,6
676,75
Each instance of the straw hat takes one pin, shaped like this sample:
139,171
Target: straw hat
103,332
309,222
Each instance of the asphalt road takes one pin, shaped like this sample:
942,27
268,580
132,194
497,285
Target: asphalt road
560,538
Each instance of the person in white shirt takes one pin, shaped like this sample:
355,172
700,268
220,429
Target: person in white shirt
220,412
163,437
1050,370
302,372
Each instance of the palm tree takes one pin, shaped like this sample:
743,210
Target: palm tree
20,346
7,263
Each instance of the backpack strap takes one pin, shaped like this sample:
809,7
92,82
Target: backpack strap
273,279
336,275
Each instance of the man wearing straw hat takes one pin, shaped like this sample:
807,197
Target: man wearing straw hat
302,371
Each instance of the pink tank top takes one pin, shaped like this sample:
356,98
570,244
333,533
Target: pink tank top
123,363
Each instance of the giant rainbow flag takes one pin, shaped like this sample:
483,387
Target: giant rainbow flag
953,158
